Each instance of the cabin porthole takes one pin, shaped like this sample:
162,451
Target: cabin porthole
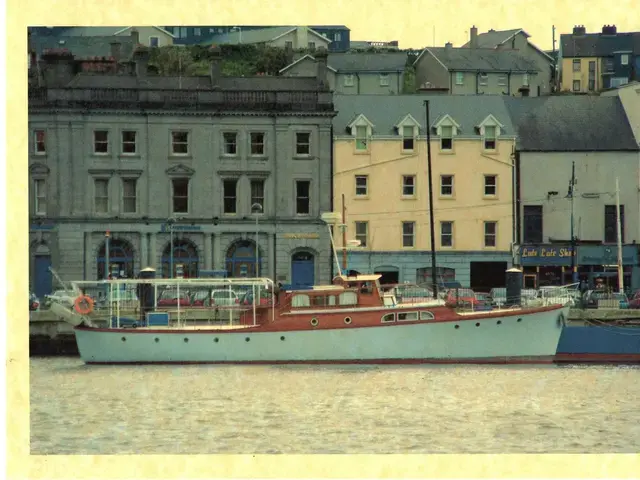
347,320
282,338
477,324
457,326
499,322
314,322
247,339
215,340
186,340
157,340
124,339
519,319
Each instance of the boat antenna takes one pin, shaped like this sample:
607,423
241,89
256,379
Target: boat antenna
434,270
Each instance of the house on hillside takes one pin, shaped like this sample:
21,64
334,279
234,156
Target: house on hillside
629,95
368,44
518,39
148,36
288,37
356,73
472,71
594,133
590,62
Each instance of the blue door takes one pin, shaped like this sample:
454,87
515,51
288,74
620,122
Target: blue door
43,281
302,270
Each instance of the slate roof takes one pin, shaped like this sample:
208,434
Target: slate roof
83,47
386,111
356,62
571,123
263,35
598,45
481,60
492,38
98,31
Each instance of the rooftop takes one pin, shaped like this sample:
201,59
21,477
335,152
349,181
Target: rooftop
481,59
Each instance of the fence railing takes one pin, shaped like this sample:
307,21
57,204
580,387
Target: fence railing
194,99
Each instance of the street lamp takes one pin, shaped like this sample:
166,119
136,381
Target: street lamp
170,222
107,246
257,209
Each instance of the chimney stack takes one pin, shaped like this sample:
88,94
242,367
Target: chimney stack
321,63
473,43
135,37
448,46
115,50
579,30
216,66
141,59
59,67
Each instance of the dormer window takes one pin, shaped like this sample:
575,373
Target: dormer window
446,137
408,129
490,137
446,128
361,129
489,130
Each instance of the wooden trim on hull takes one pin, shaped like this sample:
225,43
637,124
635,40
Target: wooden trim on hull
597,358
543,360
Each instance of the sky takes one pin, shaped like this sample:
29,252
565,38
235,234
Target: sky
411,22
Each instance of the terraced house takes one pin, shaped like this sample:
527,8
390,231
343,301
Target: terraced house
207,164
381,169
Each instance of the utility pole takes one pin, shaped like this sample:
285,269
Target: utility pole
344,236
619,239
434,270
107,260
572,183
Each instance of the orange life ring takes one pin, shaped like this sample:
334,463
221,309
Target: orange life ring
83,305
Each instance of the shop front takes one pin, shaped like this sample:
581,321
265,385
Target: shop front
600,261
546,265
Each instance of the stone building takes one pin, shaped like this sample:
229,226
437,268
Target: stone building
144,158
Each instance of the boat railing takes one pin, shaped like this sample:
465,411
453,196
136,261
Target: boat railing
137,302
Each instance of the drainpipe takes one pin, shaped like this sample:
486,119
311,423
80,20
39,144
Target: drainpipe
358,88
331,190
509,83
398,82
450,83
275,196
477,83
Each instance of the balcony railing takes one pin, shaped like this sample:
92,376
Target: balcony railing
237,100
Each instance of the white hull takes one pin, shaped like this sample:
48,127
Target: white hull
533,339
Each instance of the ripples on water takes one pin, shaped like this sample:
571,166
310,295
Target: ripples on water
79,409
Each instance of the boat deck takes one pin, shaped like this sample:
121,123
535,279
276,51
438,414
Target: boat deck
194,327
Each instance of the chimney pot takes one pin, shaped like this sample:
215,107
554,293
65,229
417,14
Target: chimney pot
473,40
135,36
115,50
321,63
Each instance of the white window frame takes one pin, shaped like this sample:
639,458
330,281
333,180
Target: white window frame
252,143
488,185
411,137
483,80
525,79
348,80
360,140
443,185
384,79
36,142
624,59
40,196
406,184
308,198
363,237
459,78
174,196
578,83
105,198
299,143
444,136
123,143
101,142
411,235
174,143
225,144
128,197
259,199
447,235
502,80
486,138
361,183
576,62
493,235
236,182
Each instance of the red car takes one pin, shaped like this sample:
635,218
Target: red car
634,301
462,296
169,298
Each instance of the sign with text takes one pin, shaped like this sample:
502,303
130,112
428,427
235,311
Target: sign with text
166,228
301,236
542,255
607,255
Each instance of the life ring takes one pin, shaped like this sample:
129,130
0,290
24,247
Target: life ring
314,321
83,305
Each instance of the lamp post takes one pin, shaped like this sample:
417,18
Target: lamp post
257,209
170,222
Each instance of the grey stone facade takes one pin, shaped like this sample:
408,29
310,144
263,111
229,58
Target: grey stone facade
69,220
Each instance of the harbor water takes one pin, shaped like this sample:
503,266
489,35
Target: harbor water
79,409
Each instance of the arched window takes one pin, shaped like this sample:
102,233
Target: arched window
185,259
120,259
241,259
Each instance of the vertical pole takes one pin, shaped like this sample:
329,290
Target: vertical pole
344,235
257,268
574,253
170,249
107,247
432,227
619,239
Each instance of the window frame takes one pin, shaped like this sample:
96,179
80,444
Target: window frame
444,235
405,235
105,142
359,235
174,143
37,142
444,138
226,144
175,197
263,144
260,198
406,139
488,235
443,185
357,180
487,185
486,140
226,197
123,143
38,195
299,143
125,197
412,185
532,216
299,198
106,198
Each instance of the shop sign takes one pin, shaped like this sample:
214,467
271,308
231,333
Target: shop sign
166,228
301,236
44,226
544,255
607,255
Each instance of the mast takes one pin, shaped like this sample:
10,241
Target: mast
572,183
619,239
344,235
434,269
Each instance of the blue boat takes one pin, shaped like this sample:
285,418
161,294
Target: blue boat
599,342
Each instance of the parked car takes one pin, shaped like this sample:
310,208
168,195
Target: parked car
592,299
634,301
34,302
224,297
264,298
169,298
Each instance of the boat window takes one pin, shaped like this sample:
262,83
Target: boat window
388,318
323,300
407,317
366,288
331,300
348,298
300,301
426,316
